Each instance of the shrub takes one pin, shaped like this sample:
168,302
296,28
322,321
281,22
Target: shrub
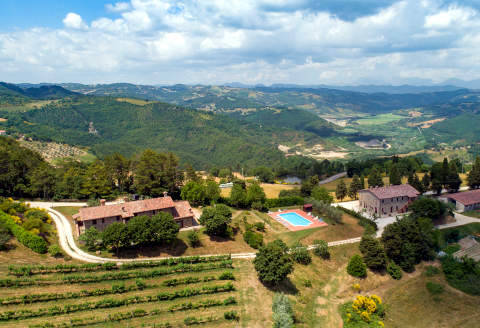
30,240
254,239
452,248
356,267
431,271
226,275
260,226
364,311
321,249
282,311
5,236
300,254
463,274
394,271
434,288
55,251
231,315
193,238
273,263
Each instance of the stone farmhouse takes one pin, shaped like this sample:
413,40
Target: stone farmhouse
102,216
464,201
387,201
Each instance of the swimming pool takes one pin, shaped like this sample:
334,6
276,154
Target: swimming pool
295,219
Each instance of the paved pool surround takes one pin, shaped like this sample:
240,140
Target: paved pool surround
289,221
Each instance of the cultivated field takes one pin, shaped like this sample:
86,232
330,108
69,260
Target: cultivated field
175,292
272,190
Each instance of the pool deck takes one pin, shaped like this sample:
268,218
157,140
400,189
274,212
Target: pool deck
314,222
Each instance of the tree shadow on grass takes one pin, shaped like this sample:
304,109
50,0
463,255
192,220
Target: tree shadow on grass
177,248
286,287
223,239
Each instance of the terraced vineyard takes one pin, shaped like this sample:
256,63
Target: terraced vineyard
169,293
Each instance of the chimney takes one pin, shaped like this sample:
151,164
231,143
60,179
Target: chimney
102,202
165,194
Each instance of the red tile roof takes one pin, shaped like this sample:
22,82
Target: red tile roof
467,197
184,209
393,191
129,209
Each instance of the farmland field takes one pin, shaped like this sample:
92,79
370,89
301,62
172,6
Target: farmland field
380,119
201,289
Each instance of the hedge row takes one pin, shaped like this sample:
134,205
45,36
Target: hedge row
22,282
111,303
120,316
29,270
284,201
47,297
363,221
147,274
28,239
201,304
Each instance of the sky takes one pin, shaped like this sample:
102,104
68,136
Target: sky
335,42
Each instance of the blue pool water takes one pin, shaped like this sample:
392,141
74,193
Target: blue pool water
295,219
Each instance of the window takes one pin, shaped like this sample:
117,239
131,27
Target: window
103,220
94,221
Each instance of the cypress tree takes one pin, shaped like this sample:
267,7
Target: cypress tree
395,177
473,177
341,191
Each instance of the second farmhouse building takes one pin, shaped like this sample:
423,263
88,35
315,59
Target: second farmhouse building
387,201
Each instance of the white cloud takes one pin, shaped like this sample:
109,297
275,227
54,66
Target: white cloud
216,41
74,21
118,7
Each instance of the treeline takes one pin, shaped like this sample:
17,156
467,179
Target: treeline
23,173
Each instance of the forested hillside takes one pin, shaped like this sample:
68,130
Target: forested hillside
320,100
109,126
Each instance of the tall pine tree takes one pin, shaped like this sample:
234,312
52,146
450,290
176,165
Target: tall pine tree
355,187
453,179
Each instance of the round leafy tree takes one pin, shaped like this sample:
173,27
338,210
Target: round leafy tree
216,219
356,267
273,263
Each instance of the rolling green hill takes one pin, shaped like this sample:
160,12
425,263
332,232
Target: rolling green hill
319,100
107,125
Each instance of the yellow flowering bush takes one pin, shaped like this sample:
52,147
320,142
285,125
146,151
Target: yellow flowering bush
364,311
356,287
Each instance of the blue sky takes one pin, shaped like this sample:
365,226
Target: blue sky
339,42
